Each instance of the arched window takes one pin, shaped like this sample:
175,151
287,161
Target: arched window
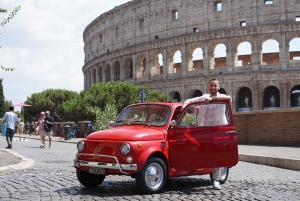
244,54
271,98
222,91
270,52
128,68
177,59
197,93
295,96
245,99
197,59
107,73
294,50
220,56
117,71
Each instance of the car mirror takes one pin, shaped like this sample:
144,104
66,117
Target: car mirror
173,123
111,123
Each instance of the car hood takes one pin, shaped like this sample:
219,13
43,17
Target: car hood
130,133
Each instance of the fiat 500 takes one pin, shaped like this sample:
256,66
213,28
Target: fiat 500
154,141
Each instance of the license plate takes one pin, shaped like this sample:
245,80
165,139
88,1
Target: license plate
95,170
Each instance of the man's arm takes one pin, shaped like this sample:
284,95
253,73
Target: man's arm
223,97
188,101
4,118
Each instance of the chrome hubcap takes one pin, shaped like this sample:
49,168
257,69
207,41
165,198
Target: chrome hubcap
154,175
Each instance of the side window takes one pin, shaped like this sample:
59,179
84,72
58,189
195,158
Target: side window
189,117
213,114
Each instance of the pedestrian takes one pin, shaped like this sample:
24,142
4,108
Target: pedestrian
40,125
212,116
10,118
48,127
21,125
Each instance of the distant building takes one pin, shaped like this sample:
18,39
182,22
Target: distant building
136,42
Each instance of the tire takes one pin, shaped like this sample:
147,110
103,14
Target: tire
224,175
153,177
89,180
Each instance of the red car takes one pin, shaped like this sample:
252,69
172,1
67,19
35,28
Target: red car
154,141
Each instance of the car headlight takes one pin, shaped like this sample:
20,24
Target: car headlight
80,146
125,148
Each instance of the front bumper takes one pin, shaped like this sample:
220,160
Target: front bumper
121,167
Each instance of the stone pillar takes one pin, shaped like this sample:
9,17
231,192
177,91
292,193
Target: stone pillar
230,54
184,61
166,64
122,70
148,65
134,75
256,55
284,52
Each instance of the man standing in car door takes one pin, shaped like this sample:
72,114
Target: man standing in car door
212,116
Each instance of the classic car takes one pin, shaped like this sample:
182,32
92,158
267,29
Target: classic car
154,141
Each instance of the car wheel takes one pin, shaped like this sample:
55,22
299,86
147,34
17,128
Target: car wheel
89,180
153,177
223,176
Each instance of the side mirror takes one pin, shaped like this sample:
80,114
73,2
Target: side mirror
173,123
110,123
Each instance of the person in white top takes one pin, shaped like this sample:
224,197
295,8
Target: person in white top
10,118
212,114
39,127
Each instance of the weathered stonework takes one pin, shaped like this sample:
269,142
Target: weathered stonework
123,45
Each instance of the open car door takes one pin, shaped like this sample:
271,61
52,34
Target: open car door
198,141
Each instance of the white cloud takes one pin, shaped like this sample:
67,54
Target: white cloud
44,44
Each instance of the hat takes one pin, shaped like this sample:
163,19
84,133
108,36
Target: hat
47,112
42,112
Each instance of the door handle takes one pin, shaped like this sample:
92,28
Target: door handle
230,132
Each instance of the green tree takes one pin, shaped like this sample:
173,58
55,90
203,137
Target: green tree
103,116
2,100
48,100
5,21
119,94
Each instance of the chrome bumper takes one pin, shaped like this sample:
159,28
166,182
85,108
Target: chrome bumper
115,166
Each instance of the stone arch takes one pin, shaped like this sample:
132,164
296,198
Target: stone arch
157,68
175,95
117,71
244,102
294,50
295,96
270,57
107,73
177,62
271,98
243,55
99,73
141,66
222,91
128,68
219,57
196,59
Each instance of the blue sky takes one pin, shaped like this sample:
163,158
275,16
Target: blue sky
44,44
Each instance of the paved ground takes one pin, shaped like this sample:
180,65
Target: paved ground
53,178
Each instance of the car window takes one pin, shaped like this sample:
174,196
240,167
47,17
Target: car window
156,115
213,114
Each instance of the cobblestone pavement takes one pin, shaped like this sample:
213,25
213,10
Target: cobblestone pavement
53,177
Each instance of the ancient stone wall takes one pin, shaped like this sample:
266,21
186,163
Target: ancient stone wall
277,127
124,44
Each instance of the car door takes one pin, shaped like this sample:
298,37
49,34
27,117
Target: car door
195,144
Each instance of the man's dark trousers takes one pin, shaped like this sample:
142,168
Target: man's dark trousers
9,136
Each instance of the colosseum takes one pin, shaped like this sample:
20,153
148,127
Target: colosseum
251,46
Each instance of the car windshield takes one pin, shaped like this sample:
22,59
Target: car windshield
156,115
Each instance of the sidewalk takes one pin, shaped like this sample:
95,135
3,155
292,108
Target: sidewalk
277,156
